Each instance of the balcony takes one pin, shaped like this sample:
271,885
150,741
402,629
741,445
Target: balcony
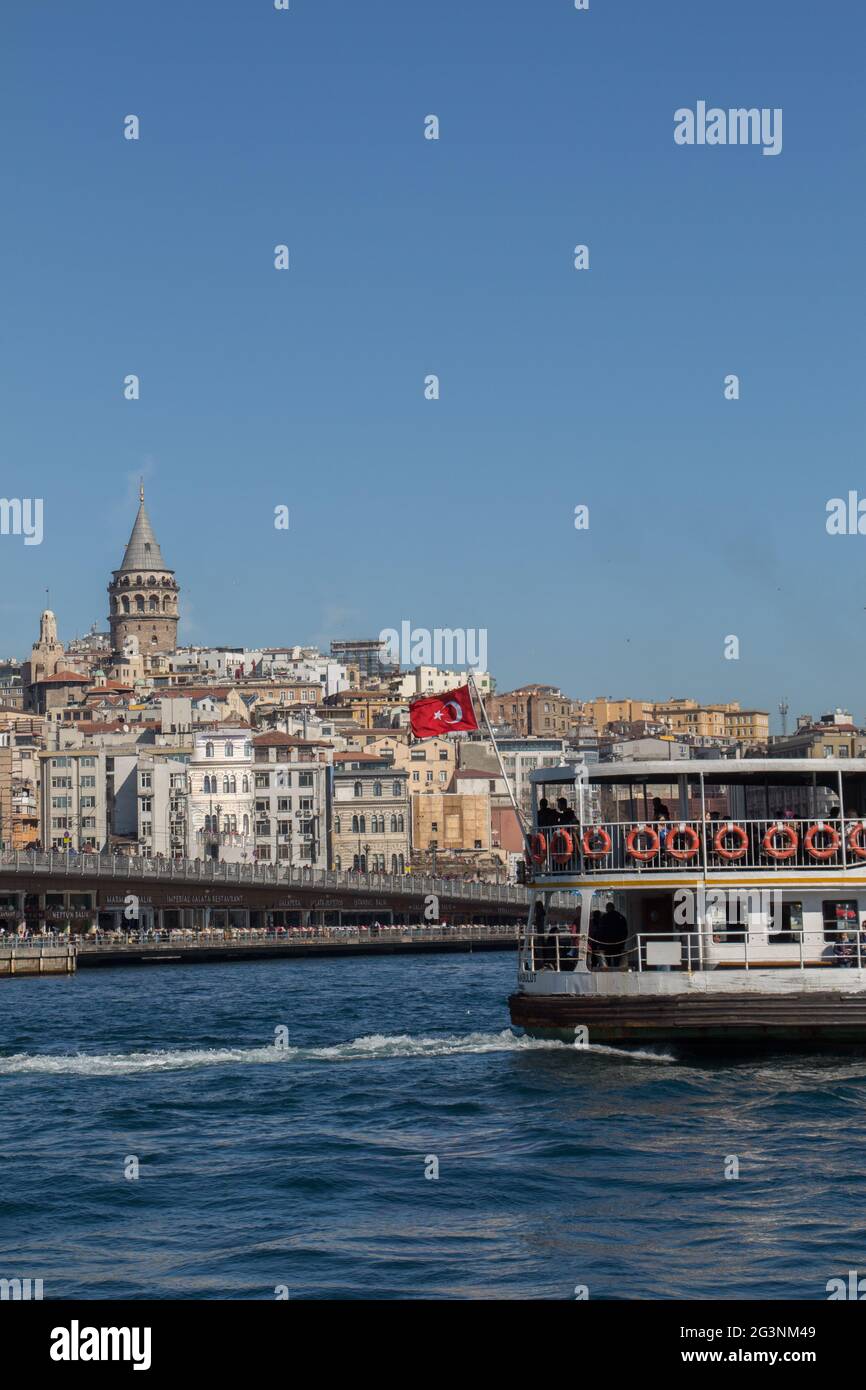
653,847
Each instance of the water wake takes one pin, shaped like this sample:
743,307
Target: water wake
373,1047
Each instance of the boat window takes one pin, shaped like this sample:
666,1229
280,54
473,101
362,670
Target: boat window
731,926
840,914
792,923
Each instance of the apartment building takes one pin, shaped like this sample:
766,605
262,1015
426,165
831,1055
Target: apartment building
291,788
219,822
20,743
371,814
541,710
75,796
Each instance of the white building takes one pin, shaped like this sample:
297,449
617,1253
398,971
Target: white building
306,664
74,811
220,804
292,778
433,680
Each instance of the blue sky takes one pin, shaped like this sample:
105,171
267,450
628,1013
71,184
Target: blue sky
409,257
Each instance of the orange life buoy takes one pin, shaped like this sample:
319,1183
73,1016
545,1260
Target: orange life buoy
854,843
821,829
642,854
686,832
719,841
596,832
561,856
768,844
537,849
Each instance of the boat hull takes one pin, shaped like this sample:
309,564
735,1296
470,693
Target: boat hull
811,1019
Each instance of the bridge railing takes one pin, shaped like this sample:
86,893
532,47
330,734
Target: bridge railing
166,940
123,866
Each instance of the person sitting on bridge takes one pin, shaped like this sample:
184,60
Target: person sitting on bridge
546,813
565,815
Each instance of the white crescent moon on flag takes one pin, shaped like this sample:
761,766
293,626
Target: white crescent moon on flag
453,704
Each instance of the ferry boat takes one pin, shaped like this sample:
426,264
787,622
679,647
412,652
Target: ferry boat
710,902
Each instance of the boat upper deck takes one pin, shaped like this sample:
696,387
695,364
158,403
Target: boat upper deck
704,816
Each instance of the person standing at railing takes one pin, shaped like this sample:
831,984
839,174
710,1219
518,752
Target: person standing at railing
565,814
546,813
612,932
660,810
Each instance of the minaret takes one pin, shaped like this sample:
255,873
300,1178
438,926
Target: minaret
143,592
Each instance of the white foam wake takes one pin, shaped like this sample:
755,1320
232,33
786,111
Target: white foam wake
373,1047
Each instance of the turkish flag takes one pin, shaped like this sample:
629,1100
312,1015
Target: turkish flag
451,713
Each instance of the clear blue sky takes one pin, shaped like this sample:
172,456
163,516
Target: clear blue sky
408,256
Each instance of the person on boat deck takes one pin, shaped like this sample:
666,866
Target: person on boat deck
544,943
845,950
554,936
612,932
660,810
664,830
593,941
574,932
546,813
566,816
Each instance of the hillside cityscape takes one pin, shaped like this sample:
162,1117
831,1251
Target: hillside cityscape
122,741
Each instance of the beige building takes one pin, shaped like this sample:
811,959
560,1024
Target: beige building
453,823
832,736
724,721
429,763
541,710
20,768
606,711
371,709
681,716
370,815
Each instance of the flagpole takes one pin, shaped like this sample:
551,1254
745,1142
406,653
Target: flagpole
517,813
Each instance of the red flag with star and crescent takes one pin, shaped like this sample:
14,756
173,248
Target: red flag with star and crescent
449,713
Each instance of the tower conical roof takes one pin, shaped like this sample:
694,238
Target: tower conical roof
142,549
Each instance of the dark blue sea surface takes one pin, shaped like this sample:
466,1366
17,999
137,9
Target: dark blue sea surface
304,1166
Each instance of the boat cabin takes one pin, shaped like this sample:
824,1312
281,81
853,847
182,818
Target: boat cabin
723,815
702,865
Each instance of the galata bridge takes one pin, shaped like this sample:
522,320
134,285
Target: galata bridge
45,890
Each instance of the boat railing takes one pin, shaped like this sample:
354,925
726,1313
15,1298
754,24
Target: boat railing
649,847
562,950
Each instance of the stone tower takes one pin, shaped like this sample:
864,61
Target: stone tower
143,594
46,655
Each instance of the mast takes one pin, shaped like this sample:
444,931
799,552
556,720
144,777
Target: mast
474,688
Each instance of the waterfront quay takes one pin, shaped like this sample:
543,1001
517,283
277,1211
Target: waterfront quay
42,958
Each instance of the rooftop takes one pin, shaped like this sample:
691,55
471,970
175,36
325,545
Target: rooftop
142,549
